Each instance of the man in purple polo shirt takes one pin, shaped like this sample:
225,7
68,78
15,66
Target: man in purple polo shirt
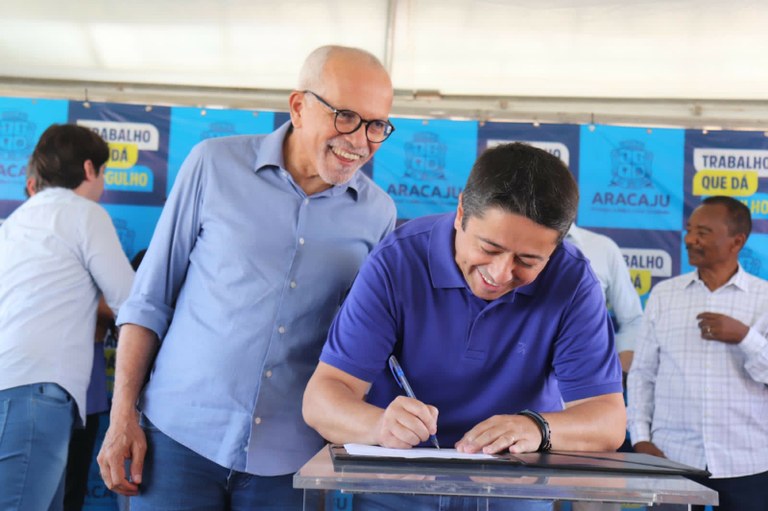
500,328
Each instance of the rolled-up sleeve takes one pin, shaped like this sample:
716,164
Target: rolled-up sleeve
164,267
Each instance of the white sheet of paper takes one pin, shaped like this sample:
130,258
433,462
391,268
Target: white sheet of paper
414,453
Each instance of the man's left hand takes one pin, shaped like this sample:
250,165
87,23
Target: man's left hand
513,433
722,328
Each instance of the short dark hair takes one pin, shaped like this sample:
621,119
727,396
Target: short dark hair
60,153
523,180
739,217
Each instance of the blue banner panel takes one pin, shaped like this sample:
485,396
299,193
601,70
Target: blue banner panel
281,117
22,121
138,142
561,140
732,163
134,225
7,207
652,256
425,164
191,125
631,177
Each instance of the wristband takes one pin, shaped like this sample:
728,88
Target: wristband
543,425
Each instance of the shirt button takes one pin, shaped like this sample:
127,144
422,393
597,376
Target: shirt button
257,420
293,284
301,241
306,201
268,374
281,329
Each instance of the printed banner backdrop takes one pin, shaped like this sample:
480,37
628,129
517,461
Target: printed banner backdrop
22,121
631,178
425,164
561,140
651,256
134,224
137,169
191,125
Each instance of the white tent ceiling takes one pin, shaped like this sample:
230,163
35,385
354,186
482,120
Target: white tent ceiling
681,62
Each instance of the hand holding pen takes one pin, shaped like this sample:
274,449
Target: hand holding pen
399,375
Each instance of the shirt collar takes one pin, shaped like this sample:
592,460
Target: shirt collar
270,155
739,279
444,271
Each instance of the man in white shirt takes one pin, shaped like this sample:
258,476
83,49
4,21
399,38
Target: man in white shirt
611,270
697,388
608,263
58,252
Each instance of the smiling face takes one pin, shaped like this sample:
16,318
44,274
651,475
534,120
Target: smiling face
348,83
708,240
500,251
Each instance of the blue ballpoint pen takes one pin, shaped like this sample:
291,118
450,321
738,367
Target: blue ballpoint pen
399,375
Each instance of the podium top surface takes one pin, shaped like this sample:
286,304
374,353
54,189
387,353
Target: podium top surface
319,473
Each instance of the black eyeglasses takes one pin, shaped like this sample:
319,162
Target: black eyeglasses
347,121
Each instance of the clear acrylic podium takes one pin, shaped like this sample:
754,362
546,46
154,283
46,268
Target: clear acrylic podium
656,492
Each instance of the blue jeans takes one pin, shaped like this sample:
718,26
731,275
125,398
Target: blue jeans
178,479
35,425
396,502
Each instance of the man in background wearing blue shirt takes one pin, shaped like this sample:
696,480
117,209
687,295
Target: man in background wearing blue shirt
254,251
501,330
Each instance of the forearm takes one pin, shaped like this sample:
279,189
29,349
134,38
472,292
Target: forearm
595,424
755,348
136,351
335,411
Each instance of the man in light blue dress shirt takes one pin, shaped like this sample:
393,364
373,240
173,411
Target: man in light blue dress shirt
255,249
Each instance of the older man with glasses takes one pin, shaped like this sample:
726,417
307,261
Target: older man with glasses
256,247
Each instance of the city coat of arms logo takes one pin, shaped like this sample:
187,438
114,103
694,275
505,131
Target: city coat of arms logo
425,157
17,135
631,165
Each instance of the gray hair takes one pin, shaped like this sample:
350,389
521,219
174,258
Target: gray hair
311,74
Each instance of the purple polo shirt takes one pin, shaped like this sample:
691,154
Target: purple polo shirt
536,347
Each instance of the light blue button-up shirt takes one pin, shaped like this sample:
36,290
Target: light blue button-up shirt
241,280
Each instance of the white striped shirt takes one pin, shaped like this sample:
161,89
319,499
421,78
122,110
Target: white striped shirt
703,403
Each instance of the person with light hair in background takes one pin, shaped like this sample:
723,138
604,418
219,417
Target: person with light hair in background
255,249
607,261
622,300
58,253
